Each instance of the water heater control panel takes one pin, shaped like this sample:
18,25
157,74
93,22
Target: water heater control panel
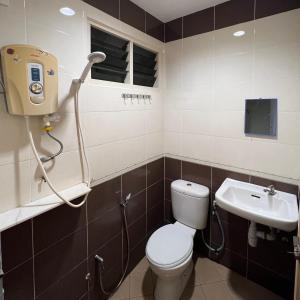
36,82
30,79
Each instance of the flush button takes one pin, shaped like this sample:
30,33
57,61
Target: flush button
189,184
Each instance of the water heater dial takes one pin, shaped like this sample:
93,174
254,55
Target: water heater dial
35,74
36,88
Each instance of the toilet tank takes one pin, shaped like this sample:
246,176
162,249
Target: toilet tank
190,203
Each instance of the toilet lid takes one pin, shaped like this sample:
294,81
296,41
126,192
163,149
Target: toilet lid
169,247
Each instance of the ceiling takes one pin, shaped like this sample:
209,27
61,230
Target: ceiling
167,10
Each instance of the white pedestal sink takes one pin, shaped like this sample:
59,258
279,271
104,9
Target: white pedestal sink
251,202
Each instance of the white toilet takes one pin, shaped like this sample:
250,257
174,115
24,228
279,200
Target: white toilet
170,248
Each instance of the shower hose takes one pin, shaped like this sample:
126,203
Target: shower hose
82,153
216,250
100,260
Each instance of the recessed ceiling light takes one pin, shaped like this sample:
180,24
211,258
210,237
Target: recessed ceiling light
67,11
239,33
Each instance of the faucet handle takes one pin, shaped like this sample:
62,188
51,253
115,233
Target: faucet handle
270,189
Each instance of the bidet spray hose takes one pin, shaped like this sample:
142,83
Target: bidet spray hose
216,250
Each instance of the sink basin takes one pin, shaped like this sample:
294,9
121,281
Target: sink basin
249,201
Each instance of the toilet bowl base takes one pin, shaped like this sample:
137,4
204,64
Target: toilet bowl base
172,288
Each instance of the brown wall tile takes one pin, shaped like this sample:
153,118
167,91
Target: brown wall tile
155,171
104,197
155,195
173,30
53,225
155,218
18,284
111,7
137,232
55,262
16,244
133,15
134,181
196,173
154,27
270,280
168,189
198,22
266,8
172,168
233,12
104,229
136,207
72,286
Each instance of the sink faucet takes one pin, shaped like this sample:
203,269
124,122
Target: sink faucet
271,190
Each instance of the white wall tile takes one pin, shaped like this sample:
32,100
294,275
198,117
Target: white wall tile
15,185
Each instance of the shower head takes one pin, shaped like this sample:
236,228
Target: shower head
96,57
93,58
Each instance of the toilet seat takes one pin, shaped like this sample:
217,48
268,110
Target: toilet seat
168,247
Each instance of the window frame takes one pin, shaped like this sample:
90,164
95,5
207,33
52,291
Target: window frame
132,40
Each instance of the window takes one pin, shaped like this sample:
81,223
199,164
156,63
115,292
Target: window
144,66
126,62
114,68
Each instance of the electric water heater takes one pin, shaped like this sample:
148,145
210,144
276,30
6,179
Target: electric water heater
30,80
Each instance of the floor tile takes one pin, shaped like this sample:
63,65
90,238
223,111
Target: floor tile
206,271
123,292
217,291
193,293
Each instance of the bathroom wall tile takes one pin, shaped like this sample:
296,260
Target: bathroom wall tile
265,8
155,218
45,236
104,197
173,30
112,256
196,173
72,286
134,181
133,15
137,232
136,207
155,171
172,168
198,22
168,212
270,280
18,284
154,27
197,122
155,195
233,12
104,229
219,175
280,186
280,261
231,260
16,244
66,173
136,255
154,145
15,185
111,7
168,189
236,236
172,143
198,146
66,254
12,34
106,160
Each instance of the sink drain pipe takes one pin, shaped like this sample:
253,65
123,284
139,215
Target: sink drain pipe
216,250
254,235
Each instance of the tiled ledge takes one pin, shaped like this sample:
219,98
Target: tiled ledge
18,215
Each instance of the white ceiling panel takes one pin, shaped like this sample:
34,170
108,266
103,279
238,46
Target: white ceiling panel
167,10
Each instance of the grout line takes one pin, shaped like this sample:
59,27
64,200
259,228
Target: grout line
33,259
146,199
